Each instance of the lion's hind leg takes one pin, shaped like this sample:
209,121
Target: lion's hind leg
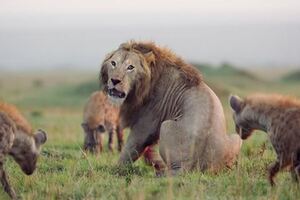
232,149
175,146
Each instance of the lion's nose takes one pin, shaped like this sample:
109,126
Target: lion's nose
115,81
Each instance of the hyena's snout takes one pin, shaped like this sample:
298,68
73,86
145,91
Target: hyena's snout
28,170
92,147
93,144
28,165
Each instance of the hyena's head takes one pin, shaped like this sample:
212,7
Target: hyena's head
93,137
243,117
26,149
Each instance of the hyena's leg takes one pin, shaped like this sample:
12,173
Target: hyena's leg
120,136
297,172
4,181
296,167
273,170
110,139
175,146
100,142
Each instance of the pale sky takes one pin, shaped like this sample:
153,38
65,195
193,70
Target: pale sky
258,8
51,33
251,10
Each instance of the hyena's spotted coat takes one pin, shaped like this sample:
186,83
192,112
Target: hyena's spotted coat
17,140
277,115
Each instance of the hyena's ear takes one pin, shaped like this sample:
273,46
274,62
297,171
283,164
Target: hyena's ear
236,103
40,137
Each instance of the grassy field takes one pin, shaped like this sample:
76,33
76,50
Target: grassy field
54,101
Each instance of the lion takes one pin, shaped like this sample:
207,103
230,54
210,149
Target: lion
18,140
100,116
163,99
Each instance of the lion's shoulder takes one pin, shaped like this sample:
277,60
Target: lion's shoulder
12,112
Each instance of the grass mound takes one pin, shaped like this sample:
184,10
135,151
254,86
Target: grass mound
225,69
86,88
294,76
65,95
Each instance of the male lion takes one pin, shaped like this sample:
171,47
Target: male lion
163,98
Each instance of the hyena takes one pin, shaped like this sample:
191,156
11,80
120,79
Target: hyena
100,116
17,140
277,115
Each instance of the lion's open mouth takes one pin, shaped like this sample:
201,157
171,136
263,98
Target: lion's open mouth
116,93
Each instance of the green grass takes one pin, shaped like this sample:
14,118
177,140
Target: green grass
65,172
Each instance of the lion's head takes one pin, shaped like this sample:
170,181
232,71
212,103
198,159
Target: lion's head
126,73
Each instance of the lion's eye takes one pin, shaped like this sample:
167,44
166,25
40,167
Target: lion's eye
113,63
130,67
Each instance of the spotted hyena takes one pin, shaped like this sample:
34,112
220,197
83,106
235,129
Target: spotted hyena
277,115
100,116
18,140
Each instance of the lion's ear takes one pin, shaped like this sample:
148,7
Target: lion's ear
150,57
143,48
147,51
124,46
